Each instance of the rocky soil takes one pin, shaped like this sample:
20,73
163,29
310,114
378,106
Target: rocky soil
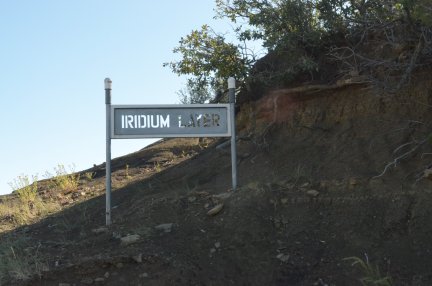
312,193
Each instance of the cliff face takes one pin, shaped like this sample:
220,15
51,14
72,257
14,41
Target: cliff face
347,128
346,101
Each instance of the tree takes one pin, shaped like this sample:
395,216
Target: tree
195,92
210,60
381,40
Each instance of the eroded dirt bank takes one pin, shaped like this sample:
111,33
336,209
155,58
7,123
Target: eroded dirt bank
308,198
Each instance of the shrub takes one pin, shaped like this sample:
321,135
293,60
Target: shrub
89,175
25,190
66,181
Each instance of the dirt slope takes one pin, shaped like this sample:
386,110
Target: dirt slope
308,198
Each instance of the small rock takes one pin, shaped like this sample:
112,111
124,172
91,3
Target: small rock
273,186
202,193
99,279
217,244
254,185
116,235
137,258
427,174
102,229
223,196
87,281
191,199
206,206
324,184
166,227
282,182
284,201
283,257
130,239
119,265
312,193
144,275
320,282
245,155
45,268
304,185
107,275
215,210
353,181
290,186
212,250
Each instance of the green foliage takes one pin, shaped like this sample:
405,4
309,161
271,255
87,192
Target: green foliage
284,23
157,166
127,175
206,53
184,154
64,180
28,204
210,60
195,92
304,34
21,214
371,273
89,175
25,189
421,11
279,24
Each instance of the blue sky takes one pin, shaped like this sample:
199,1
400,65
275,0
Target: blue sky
54,56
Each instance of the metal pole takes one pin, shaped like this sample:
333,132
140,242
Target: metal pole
231,92
108,84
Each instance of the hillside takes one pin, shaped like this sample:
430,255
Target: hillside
312,193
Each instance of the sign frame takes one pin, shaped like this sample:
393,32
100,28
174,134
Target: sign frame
110,126
182,107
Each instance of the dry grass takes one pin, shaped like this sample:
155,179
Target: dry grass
25,188
66,181
20,261
15,213
26,206
371,273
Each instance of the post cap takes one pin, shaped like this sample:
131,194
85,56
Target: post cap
231,82
108,83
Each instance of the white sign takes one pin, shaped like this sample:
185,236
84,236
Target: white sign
155,121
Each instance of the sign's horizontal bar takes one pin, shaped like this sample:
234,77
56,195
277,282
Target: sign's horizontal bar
159,121
169,136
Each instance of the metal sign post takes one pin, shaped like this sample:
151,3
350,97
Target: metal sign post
160,121
108,84
231,91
